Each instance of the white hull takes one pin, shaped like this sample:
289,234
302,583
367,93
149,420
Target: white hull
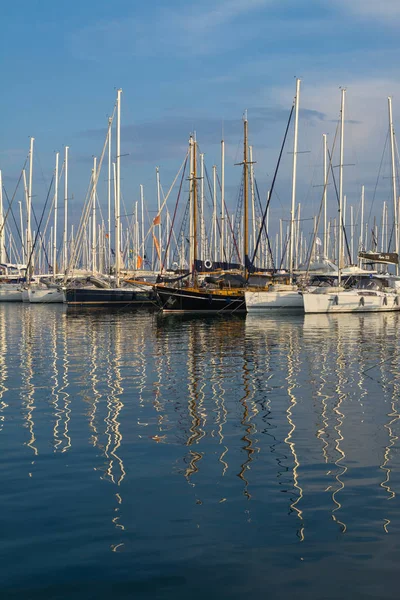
10,292
270,300
25,295
45,296
351,301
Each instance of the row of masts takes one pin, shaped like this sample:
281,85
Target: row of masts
92,246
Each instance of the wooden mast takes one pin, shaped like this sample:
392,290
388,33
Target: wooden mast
194,199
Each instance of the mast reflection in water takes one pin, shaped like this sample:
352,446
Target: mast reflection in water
160,456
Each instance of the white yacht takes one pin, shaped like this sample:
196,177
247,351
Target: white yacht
11,276
372,292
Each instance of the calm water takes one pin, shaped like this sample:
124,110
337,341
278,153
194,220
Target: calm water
152,457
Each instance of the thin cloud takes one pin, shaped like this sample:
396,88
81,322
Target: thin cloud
384,10
194,31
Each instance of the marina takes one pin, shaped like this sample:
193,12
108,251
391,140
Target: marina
199,300
197,266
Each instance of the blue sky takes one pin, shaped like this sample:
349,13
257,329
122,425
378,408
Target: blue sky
187,66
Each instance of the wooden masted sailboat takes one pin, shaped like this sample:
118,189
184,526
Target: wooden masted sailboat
190,295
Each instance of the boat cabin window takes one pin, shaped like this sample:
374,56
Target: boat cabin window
369,283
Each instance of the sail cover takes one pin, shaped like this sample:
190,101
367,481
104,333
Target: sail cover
391,258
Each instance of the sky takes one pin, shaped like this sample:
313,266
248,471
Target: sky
189,66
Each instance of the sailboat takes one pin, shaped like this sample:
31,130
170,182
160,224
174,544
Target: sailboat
98,291
11,275
207,296
365,291
47,291
282,295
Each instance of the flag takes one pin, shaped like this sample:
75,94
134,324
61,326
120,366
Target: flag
157,220
157,245
107,236
139,262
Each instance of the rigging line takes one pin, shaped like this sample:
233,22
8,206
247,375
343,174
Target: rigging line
272,188
237,221
220,189
87,202
322,202
394,224
265,226
11,203
165,200
232,232
341,224
378,177
227,218
12,214
284,252
41,237
175,211
38,231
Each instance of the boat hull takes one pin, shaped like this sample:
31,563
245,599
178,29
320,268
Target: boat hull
264,301
25,295
350,302
182,300
109,297
10,292
47,296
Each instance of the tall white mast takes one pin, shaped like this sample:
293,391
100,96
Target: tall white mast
23,230
21,221
109,194
392,149
94,228
29,207
361,242
2,232
142,215
351,235
118,193
293,207
215,211
169,245
55,216
383,227
325,153
65,234
158,212
340,232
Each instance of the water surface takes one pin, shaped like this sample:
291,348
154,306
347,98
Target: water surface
144,456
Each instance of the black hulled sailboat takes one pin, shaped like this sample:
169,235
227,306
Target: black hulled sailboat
196,294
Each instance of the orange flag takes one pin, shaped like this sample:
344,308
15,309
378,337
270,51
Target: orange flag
157,220
139,262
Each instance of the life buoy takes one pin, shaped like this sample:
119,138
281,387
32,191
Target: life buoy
208,264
